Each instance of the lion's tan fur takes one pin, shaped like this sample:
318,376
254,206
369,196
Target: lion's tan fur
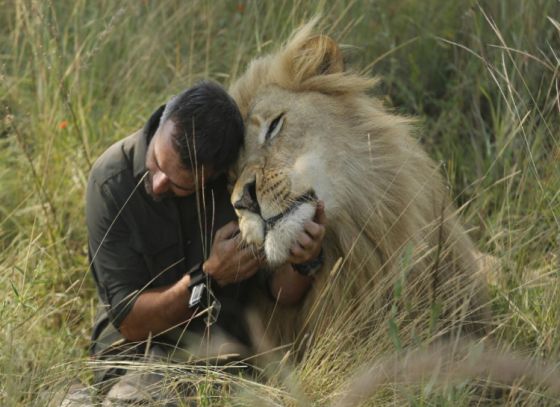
404,254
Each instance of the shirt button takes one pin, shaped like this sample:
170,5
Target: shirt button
189,242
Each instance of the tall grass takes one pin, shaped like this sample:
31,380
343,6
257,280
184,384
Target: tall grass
77,76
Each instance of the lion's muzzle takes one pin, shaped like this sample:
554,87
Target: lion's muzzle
248,200
271,217
308,197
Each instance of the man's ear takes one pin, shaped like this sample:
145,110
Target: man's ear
153,122
318,55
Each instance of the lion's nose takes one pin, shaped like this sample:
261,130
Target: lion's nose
248,200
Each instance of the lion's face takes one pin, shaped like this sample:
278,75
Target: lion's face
283,168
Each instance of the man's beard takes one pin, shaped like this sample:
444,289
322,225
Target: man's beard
148,186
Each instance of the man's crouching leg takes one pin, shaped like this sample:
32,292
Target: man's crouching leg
146,383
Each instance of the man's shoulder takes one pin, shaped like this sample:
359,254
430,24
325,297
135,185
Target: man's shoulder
115,162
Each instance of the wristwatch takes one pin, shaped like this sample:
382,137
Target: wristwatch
197,286
202,295
309,268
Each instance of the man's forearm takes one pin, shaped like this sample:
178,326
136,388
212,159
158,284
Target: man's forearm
287,286
157,310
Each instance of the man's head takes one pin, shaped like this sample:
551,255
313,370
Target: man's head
199,136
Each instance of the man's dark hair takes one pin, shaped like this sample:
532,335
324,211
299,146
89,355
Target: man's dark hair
208,126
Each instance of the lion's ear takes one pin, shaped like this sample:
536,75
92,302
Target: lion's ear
328,54
318,55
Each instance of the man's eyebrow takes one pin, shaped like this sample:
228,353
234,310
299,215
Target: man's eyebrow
170,181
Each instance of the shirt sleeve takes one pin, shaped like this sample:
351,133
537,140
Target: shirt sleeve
120,272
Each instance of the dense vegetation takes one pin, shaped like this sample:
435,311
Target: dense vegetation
483,77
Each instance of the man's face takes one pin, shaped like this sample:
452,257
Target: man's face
166,175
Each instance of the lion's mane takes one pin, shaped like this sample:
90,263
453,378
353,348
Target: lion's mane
397,261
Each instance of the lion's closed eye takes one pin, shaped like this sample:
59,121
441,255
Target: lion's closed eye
272,129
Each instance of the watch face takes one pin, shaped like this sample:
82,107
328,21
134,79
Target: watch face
197,295
200,297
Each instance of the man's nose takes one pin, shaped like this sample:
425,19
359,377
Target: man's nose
160,183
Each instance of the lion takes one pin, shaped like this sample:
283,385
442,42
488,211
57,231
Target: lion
395,253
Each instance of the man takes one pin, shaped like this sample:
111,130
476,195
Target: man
157,206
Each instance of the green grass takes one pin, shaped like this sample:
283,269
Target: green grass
76,76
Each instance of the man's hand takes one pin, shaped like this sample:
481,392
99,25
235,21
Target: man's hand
229,262
308,245
288,286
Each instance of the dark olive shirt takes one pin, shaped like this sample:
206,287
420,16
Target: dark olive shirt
136,242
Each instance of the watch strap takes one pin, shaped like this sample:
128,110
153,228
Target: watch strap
309,268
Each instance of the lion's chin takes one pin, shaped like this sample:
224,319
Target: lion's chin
283,235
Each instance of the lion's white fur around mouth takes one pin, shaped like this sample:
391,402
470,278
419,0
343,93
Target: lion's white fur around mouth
278,240
283,235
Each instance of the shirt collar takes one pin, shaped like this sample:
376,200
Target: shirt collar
142,142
